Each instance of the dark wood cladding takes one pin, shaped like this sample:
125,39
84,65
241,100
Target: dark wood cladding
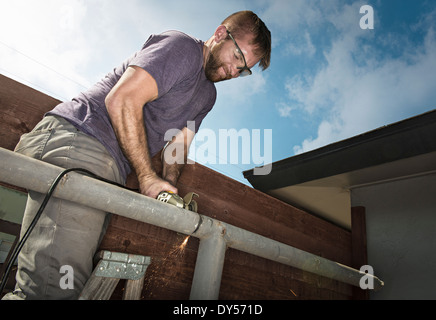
21,108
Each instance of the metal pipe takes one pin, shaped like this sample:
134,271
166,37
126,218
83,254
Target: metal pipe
36,175
258,245
25,172
208,268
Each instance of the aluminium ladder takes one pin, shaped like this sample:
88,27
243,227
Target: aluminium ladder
112,267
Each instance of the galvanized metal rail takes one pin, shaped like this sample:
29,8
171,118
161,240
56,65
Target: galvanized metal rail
215,236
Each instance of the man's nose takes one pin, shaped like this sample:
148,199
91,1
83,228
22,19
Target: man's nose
235,72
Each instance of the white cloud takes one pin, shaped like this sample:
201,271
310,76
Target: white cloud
288,16
284,110
301,46
43,43
237,91
357,91
63,46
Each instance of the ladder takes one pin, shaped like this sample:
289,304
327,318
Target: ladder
111,267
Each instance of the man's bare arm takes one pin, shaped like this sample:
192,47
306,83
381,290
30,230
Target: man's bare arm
125,104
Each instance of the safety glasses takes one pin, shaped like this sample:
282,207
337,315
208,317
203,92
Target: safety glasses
243,71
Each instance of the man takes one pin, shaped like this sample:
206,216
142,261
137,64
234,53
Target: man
116,127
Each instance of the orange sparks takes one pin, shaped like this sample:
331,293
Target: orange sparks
184,243
179,251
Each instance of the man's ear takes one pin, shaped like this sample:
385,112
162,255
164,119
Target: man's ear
220,33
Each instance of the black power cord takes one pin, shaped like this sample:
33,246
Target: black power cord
39,212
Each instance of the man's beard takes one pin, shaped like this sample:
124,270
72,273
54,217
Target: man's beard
213,64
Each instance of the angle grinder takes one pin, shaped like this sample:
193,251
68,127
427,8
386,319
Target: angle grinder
187,202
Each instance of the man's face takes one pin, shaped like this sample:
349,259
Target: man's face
224,60
214,66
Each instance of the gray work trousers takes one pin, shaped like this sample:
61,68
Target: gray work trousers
67,235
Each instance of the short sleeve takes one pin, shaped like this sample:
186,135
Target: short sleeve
169,58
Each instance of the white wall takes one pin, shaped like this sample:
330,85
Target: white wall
401,235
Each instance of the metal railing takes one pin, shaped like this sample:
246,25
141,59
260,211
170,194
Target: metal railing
215,236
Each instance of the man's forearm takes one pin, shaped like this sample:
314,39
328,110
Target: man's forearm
124,104
132,138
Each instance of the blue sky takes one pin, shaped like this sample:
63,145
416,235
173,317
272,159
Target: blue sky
329,79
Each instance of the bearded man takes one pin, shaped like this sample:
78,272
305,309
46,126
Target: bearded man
116,127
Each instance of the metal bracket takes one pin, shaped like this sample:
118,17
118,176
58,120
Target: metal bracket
121,265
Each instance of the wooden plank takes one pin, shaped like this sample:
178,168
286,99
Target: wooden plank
249,277
244,276
230,201
359,250
21,108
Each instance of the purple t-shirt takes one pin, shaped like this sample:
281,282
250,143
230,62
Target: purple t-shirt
175,60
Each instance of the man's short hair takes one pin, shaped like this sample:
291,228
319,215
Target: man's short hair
242,23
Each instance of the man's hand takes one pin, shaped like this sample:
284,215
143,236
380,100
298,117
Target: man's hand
152,185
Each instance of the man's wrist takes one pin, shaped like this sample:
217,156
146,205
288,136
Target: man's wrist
171,173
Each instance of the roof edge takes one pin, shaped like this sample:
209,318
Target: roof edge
400,140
